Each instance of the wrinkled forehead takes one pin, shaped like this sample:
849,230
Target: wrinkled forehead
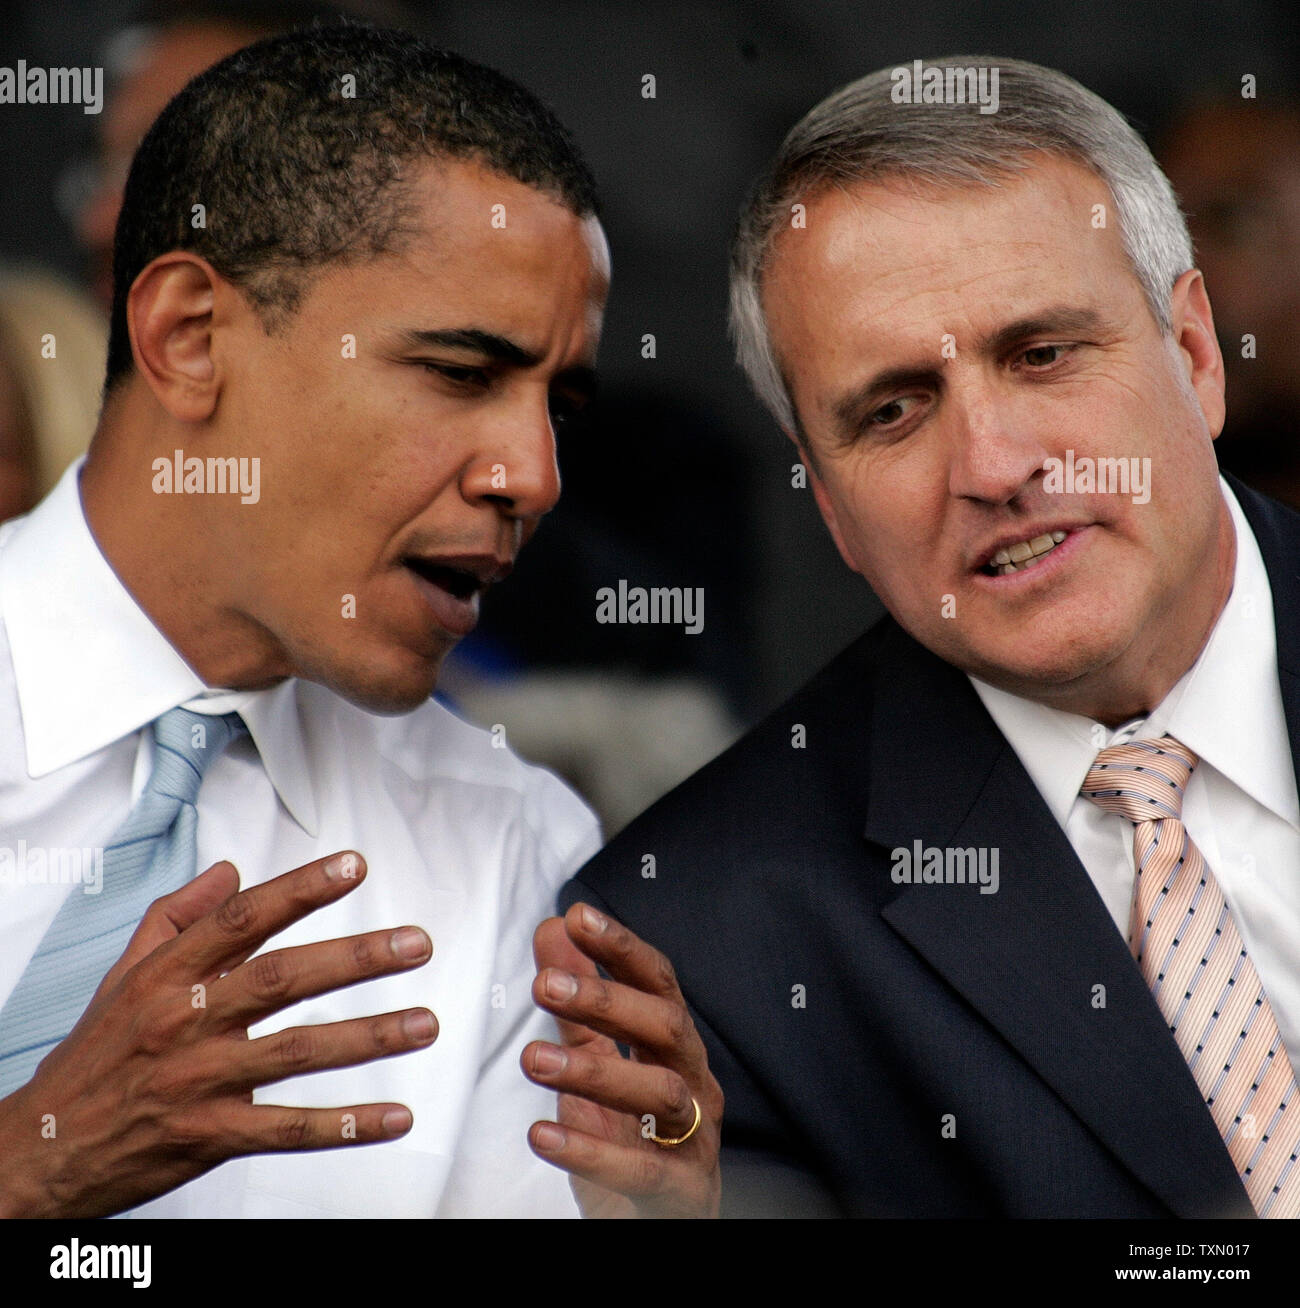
900,248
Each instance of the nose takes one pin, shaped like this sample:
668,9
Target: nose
514,469
995,451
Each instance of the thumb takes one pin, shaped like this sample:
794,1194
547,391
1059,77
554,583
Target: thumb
167,917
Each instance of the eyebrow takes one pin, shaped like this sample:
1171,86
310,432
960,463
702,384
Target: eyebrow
580,378
1049,322
849,410
496,347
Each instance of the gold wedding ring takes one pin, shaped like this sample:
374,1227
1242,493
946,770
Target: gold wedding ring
681,1139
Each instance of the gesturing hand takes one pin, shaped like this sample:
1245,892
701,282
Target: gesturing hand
611,1107
154,1085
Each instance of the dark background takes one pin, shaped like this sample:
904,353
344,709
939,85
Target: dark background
686,457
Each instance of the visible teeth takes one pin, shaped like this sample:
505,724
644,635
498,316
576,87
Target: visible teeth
1025,554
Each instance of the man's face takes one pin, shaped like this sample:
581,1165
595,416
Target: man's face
396,484
940,347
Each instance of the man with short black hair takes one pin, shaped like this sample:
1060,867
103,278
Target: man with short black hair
358,283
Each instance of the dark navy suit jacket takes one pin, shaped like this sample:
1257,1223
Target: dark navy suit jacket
919,1050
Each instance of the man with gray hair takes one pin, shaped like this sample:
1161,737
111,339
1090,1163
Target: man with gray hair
1001,908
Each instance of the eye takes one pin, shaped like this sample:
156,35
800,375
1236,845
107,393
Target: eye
891,414
459,374
1041,357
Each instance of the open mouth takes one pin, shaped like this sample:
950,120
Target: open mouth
1023,555
455,581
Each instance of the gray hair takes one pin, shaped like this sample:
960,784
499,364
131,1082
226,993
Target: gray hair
861,134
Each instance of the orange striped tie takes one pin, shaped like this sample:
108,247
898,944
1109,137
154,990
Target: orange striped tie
1192,956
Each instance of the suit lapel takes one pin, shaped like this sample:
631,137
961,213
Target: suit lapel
1029,956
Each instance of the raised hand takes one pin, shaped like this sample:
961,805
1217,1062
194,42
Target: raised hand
154,1085
611,1108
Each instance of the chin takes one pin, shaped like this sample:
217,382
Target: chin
1062,667
388,692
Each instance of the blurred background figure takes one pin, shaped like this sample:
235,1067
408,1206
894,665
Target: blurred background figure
1236,167
52,347
165,45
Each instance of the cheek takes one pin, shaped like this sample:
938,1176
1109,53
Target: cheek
896,504
880,549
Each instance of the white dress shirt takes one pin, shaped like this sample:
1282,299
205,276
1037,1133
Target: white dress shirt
1240,806
460,838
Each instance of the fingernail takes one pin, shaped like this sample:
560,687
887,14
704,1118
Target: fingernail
397,1121
419,1026
410,943
549,1138
345,867
549,1060
561,985
593,921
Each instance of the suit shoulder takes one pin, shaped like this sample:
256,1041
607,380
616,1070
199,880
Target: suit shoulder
794,771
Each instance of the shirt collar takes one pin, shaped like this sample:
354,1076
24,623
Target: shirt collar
90,667
1238,668
1228,709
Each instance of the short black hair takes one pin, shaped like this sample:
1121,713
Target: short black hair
297,146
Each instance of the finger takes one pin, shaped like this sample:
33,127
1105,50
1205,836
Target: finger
635,963
302,1049
242,924
269,1128
633,1170
622,953
594,1120
269,982
648,1023
552,948
167,917
642,1089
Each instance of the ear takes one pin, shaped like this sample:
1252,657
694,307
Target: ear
169,312
823,498
1193,328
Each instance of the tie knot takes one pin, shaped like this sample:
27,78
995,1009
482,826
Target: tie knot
186,745
1143,780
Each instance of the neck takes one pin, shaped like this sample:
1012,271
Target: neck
166,550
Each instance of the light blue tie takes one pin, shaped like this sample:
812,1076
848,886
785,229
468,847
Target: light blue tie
153,853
